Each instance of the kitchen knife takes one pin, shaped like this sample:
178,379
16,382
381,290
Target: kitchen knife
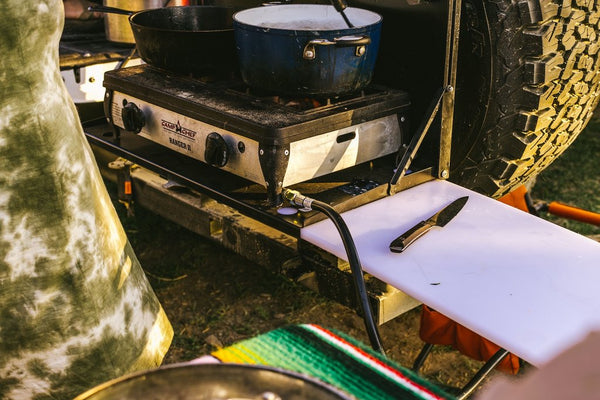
441,218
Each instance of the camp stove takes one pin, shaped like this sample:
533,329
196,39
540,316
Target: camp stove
267,139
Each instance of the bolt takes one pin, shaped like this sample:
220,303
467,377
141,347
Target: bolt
261,152
270,396
403,119
449,88
445,174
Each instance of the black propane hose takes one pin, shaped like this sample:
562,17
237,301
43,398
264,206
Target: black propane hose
297,199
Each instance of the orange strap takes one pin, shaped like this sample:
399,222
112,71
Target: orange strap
436,328
516,198
570,212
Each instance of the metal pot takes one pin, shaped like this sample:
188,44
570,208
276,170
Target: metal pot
214,381
306,48
187,39
117,26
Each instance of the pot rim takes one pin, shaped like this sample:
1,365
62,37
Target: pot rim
329,14
134,378
168,11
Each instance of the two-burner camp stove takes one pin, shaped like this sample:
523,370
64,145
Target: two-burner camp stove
264,138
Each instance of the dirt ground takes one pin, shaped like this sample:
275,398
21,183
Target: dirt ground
214,298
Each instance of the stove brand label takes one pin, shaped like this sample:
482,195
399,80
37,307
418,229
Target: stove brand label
180,144
183,134
178,129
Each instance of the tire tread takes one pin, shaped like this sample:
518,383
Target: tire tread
546,92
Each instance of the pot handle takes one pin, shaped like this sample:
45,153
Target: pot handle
310,53
276,3
110,10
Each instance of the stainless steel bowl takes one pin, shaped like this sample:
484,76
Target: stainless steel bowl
117,26
214,382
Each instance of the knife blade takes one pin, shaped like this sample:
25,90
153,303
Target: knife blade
440,219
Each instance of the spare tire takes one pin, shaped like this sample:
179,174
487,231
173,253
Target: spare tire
528,84
528,80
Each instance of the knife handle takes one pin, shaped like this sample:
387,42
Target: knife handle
403,241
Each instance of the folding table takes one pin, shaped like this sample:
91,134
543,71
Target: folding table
526,284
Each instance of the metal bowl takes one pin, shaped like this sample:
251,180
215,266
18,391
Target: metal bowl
214,382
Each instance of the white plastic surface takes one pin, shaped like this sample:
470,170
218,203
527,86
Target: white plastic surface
90,87
524,283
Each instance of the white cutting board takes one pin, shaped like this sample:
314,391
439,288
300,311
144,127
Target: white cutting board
524,283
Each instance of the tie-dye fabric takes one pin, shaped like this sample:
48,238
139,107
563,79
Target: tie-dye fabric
75,307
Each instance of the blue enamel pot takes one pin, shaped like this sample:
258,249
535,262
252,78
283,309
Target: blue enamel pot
306,49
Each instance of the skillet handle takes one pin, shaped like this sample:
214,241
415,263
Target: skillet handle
310,53
110,10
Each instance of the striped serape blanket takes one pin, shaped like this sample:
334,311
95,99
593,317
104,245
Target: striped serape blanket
334,358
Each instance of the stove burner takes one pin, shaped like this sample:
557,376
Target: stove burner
304,103
80,48
301,103
204,76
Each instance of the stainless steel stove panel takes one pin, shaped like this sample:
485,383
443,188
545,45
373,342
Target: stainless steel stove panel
336,150
306,158
188,136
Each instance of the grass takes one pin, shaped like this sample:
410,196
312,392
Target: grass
574,179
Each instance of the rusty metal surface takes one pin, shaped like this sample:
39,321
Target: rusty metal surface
258,242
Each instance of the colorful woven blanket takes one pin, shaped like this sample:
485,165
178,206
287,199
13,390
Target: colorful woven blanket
333,358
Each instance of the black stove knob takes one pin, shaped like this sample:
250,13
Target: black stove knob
133,118
216,152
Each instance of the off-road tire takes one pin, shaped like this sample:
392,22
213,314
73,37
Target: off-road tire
528,84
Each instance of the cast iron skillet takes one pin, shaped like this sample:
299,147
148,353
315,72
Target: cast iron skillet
184,39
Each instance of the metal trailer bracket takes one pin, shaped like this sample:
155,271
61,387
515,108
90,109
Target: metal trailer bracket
264,245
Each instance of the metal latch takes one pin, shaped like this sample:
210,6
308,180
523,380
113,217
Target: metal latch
124,184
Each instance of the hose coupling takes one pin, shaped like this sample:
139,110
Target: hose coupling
298,199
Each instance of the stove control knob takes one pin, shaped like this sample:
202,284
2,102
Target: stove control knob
216,152
133,118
